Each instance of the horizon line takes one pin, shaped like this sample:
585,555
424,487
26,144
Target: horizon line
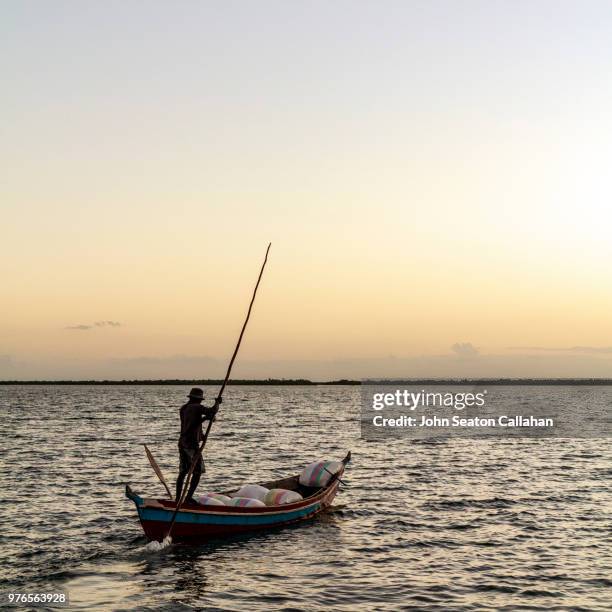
306,381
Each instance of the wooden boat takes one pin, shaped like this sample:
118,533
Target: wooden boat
196,522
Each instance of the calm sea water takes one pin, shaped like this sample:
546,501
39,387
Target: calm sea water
457,524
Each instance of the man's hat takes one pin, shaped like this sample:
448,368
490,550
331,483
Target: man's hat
196,393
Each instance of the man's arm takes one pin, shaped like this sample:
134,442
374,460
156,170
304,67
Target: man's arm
209,413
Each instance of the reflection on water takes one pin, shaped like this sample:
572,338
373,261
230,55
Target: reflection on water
433,524
109,585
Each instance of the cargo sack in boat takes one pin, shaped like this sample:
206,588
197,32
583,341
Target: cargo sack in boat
253,491
209,500
318,473
279,497
246,502
219,496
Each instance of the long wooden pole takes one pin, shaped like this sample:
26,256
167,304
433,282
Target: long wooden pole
210,422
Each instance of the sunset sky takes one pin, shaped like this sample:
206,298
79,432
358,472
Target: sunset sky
434,178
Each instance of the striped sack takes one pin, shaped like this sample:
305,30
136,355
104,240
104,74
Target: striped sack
318,473
279,497
209,500
219,496
246,502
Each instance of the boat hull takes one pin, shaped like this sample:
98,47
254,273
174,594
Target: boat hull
197,523
205,525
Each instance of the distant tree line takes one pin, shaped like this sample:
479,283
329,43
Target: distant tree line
343,381
177,381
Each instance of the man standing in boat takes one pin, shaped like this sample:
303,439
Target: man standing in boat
193,414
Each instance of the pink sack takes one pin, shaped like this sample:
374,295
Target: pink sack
246,502
318,473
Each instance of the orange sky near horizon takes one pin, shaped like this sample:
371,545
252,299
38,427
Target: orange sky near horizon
425,180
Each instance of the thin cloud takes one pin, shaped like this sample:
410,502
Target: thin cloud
464,349
570,349
95,324
591,349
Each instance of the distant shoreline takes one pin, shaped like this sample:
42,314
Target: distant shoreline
346,382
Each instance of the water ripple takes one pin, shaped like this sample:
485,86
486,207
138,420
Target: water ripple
442,524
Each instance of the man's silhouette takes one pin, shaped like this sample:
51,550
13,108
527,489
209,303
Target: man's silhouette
193,414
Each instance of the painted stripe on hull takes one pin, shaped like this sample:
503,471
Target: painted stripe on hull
158,515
